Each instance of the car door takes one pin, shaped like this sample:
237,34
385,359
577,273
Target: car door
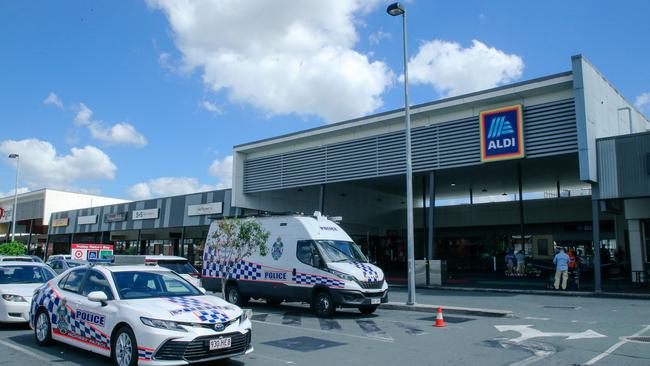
97,319
65,328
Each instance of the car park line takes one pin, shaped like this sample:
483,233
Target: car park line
20,349
613,348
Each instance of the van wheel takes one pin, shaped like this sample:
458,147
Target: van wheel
323,305
274,302
43,328
233,295
367,310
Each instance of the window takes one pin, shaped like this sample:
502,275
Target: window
24,274
57,265
97,282
180,266
542,247
146,284
73,281
306,251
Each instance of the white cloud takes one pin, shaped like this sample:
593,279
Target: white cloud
378,36
210,107
121,133
299,61
41,166
167,186
10,193
642,101
53,99
222,169
84,114
452,69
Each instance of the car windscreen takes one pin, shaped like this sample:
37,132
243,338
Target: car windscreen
341,251
24,274
149,284
179,266
73,264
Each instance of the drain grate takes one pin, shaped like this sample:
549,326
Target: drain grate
639,339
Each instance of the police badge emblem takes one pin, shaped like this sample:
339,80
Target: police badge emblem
277,248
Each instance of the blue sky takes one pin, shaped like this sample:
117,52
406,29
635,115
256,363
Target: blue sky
138,99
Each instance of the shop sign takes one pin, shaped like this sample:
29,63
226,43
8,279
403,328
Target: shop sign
60,222
5,214
115,217
151,213
86,220
502,134
96,252
205,209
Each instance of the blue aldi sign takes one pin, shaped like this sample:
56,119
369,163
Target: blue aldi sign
502,134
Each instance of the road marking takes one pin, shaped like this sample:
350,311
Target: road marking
613,348
273,359
538,349
527,332
372,330
27,352
410,329
329,324
534,318
291,318
338,334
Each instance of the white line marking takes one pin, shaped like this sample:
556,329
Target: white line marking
326,332
20,349
613,348
527,332
273,359
534,318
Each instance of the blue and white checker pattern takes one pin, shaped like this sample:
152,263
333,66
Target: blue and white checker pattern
309,279
47,298
213,267
368,271
202,310
145,354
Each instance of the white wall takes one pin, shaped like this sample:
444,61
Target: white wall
56,201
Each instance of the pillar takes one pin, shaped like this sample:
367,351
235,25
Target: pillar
637,251
431,217
595,223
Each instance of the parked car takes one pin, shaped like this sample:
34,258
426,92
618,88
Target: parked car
17,258
138,314
179,265
60,266
55,257
18,280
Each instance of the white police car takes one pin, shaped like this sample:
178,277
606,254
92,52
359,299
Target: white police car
138,315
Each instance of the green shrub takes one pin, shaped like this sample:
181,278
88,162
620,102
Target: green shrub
12,248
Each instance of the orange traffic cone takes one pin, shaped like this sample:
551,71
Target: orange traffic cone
440,322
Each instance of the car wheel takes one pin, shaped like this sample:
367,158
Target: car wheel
323,305
124,350
234,296
274,302
367,310
43,328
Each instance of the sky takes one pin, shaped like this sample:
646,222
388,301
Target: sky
140,99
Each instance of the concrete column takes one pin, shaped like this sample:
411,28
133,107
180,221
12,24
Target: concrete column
431,247
321,200
595,223
637,250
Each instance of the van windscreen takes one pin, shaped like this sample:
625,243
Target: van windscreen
340,251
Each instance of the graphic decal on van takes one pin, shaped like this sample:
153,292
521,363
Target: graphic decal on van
277,248
216,268
309,279
369,272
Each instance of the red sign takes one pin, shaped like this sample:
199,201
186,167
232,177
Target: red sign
91,251
2,212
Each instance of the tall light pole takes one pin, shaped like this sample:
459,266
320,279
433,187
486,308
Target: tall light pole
396,9
13,211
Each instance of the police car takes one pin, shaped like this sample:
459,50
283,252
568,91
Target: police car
138,315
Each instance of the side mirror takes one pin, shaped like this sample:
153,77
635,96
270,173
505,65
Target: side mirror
203,291
98,296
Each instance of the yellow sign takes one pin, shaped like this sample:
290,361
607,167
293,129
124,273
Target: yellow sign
60,222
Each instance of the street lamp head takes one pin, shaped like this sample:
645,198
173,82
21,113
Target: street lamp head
395,9
13,156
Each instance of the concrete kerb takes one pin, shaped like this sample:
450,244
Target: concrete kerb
431,309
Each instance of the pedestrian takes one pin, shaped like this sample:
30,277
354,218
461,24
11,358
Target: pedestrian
561,261
521,263
510,262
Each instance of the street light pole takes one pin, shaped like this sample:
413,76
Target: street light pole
13,211
396,9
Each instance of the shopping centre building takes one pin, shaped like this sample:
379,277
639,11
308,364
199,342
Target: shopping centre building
531,166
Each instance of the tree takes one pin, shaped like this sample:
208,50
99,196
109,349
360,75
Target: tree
12,248
233,240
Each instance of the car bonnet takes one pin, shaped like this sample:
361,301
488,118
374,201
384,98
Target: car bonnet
192,309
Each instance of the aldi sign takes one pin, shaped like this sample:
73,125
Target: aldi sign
502,134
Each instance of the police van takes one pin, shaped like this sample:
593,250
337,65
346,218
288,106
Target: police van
310,259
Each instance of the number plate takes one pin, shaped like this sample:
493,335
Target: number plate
375,301
220,343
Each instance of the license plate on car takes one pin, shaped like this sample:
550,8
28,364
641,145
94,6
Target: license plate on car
220,343
375,301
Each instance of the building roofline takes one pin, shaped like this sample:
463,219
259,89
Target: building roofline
43,190
423,105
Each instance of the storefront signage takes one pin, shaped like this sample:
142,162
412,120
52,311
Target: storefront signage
60,222
502,134
115,217
151,213
5,214
98,252
205,209
86,220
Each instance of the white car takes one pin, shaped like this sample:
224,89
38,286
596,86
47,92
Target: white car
18,280
138,315
17,258
179,265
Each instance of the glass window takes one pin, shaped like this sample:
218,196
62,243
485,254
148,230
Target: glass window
57,265
97,282
73,280
179,266
341,251
306,252
141,285
24,274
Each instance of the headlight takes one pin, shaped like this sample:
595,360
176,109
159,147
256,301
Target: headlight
246,314
163,324
342,275
14,298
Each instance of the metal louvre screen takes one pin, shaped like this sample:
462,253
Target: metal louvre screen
549,129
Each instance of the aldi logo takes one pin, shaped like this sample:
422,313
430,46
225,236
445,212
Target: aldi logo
502,134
